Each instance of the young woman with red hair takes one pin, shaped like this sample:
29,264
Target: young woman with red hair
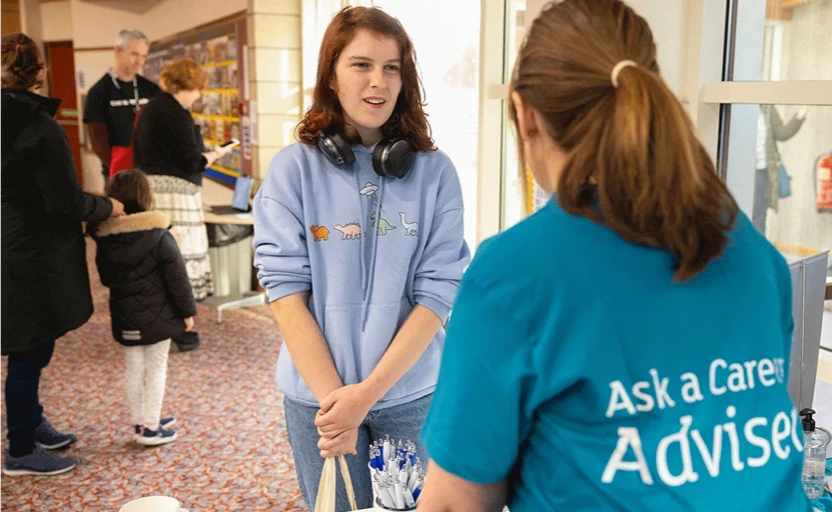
359,242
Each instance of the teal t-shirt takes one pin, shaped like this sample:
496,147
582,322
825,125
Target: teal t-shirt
575,367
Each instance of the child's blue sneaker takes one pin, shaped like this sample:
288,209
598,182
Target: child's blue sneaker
155,437
165,423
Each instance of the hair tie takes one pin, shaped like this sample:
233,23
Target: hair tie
17,47
617,69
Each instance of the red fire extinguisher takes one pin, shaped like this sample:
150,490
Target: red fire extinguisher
823,183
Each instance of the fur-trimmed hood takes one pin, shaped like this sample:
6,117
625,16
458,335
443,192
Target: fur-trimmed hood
144,221
127,240
150,292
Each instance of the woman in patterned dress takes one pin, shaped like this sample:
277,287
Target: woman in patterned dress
167,149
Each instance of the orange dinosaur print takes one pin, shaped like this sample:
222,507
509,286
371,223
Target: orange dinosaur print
321,233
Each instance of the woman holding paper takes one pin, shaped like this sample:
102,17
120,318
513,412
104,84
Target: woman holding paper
168,150
358,236
624,348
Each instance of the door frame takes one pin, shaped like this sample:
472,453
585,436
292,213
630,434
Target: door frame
47,48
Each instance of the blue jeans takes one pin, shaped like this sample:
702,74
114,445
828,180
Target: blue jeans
23,410
400,422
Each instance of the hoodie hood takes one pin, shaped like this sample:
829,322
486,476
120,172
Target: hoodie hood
19,107
129,239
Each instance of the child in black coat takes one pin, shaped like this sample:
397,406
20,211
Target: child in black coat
151,299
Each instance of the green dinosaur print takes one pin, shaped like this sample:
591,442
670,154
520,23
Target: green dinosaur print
383,225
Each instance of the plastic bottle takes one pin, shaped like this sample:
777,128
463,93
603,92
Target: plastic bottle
814,455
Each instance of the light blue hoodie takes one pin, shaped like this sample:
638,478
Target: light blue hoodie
315,229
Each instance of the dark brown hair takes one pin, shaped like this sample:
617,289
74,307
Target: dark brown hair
132,188
21,62
408,118
181,74
633,161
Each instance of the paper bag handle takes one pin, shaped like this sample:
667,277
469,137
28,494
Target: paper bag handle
325,501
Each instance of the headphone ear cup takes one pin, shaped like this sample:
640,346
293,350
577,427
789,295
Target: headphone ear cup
393,157
336,149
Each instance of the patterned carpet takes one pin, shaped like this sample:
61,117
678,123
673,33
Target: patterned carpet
232,453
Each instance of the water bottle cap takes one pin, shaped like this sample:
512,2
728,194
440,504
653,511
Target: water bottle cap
808,420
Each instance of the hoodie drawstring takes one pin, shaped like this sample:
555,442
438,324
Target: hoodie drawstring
361,239
369,278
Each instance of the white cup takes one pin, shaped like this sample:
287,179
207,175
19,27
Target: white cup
153,504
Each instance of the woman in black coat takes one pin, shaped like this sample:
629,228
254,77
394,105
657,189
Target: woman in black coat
45,283
167,149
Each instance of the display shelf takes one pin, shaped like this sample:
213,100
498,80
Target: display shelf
233,119
224,170
219,48
219,64
220,91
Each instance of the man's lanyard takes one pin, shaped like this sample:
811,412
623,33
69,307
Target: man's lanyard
114,78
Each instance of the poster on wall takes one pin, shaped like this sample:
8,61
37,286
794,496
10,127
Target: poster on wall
217,49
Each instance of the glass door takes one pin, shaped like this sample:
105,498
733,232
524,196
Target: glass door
446,36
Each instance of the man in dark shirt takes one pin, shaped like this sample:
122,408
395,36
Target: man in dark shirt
113,101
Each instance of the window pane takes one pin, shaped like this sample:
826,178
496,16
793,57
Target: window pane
796,44
316,17
779,169
792,182
792,188
446,36
513,200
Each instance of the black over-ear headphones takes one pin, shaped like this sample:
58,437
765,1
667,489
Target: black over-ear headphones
392,157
